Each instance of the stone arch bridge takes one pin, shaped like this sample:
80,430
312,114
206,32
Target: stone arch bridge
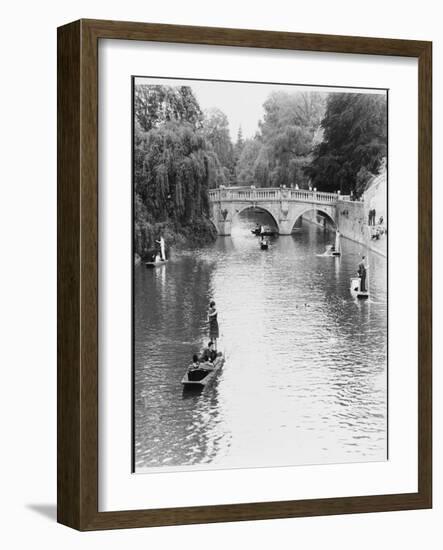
285,205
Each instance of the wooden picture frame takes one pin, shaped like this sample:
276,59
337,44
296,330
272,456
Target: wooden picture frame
77,480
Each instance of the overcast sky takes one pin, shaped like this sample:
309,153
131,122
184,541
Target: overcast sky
242,103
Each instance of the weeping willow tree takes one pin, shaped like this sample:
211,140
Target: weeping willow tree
179,154
174,169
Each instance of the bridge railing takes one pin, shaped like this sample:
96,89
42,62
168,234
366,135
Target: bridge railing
313,196
270,194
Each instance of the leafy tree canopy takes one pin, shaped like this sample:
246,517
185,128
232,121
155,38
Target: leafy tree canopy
216,131
155,105
175,164
239,144
354,137
284,142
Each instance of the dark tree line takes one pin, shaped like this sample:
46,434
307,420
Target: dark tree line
353,145
179,154
331,142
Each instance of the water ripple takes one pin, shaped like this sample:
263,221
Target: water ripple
305,376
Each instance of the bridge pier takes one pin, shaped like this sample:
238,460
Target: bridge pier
285,227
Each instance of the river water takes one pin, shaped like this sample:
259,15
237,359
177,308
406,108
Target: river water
305,377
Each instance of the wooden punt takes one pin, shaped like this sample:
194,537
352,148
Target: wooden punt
329,253
156,264
201,377
257,233
355,289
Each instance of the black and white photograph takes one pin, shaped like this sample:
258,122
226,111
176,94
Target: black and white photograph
218,275
260,278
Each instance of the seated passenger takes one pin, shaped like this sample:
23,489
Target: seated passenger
195,362
209,354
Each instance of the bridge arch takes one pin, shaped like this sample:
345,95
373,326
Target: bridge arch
328,215
246,207
284,205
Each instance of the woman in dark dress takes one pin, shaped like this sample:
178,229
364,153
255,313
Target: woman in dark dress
213,324
362,274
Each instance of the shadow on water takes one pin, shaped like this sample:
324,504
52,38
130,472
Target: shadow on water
192,393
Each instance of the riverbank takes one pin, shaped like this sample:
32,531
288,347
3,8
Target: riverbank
352,217
351,223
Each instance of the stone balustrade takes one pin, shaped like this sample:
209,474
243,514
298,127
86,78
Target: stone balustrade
253,194
284,204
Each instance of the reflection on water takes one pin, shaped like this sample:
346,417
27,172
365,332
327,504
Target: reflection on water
305,375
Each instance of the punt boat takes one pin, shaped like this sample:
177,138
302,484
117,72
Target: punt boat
330,252
156,264
204,375
265,233
355,289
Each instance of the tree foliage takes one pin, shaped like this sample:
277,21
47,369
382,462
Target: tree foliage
155,105
216,131
334,141
239,144
246,164
175,164
354,137
285,140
